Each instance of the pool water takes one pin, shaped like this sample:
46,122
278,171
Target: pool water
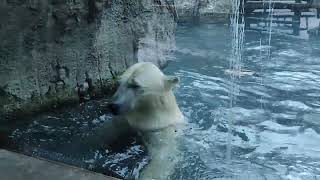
277,112
276,131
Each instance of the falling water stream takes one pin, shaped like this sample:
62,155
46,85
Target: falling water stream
237,32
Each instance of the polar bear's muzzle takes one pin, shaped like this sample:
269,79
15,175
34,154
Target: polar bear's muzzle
114,108
123,100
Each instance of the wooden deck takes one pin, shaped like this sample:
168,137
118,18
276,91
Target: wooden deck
279,5
257,11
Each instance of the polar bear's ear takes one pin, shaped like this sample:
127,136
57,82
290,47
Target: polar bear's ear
170,82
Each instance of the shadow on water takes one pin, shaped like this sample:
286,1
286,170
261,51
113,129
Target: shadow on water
61,135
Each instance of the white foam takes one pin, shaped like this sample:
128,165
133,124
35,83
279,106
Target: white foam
290,53
293,105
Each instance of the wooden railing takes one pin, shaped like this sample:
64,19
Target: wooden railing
291,19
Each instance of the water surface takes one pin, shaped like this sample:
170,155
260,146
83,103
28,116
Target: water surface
276,116
277,112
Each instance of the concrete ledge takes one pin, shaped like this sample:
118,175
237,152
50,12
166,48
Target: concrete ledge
14,166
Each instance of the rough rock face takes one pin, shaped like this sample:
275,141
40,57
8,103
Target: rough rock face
52,51
199,10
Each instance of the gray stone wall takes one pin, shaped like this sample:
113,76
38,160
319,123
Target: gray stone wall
53,51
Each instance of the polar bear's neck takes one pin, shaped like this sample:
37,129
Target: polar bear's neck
160,112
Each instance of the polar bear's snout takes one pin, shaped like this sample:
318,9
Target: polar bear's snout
123,100
120,105
114,108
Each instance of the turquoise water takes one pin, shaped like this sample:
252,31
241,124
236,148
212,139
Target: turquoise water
276,116
277,112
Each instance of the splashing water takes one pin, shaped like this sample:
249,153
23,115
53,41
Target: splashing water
270,15
237,31
268,52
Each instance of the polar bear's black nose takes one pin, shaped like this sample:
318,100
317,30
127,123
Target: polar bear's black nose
114,108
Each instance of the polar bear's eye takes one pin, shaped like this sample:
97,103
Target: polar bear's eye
133,86
117,83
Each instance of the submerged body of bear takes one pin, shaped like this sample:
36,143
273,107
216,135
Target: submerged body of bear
144,102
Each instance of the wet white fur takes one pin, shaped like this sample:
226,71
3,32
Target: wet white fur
154,113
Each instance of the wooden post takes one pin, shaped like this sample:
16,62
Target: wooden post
316,4
296,22
196,13
247,23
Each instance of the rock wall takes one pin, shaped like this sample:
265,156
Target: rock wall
53,51
203,10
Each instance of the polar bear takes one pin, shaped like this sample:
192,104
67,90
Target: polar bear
145,98
144,102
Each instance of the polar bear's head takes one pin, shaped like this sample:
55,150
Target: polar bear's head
141,88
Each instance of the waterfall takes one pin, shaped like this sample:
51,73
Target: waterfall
237,32
270,17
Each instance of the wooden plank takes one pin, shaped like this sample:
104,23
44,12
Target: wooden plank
277,15
277,5
253,19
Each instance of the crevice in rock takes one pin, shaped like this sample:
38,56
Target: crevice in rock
93,11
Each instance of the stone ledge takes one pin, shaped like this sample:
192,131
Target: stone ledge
14,166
